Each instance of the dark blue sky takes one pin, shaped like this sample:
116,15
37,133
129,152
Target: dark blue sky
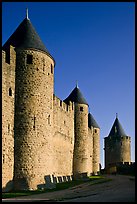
94,43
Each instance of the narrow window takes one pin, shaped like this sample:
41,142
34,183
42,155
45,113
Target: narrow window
10,92
34,122
29,59
95,131
81,108
49,119
43,64
51,69
9,128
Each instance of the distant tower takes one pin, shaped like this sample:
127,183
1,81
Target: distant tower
117,145
33,121
81,154
95,130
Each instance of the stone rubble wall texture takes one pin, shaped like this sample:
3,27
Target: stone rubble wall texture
33,119
117,150
8,81
47,138
96,150
63,137
90,149
81,152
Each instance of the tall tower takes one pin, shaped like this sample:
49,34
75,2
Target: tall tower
81,153
33,121
117,145
95,132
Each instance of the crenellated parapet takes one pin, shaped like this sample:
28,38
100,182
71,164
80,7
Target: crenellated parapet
9,55
62,105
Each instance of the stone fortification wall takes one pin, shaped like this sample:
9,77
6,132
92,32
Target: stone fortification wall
63,137
33,118
8,91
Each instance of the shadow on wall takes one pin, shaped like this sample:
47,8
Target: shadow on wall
8,187
51,180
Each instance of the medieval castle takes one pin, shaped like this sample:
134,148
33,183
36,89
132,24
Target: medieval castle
43,136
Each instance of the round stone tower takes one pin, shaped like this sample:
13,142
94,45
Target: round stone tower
117,146
95,129
33,122
81,152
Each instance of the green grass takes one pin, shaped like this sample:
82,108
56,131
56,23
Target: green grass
59,186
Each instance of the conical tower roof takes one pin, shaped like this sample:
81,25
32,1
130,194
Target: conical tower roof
117,129
92,122
26,37
76,97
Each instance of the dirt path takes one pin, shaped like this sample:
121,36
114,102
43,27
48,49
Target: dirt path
119,189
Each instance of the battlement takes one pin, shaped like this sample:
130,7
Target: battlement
125,138
58,102
9,56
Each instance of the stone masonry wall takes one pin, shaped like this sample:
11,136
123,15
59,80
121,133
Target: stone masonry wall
33,119
81,152
96,150
63,139
90,148
8,91
126,149
117,150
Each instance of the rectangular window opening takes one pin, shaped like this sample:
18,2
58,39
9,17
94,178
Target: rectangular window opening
34,122
29,59
81,108
9,128
10,92
51,69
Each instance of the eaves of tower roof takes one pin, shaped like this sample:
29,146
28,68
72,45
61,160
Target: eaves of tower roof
26,37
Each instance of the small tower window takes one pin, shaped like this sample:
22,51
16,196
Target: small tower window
49,119
51,69
10,92
34,123
81,108
95,131
29,59
9,128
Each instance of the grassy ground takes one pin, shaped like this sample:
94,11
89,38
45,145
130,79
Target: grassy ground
59,186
